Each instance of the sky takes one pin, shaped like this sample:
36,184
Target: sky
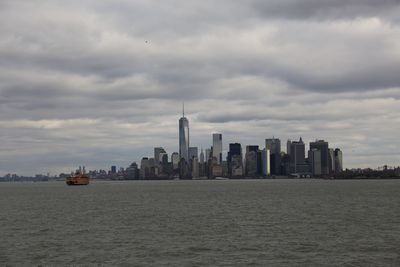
101,83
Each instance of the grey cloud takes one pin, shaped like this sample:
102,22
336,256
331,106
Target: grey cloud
325,9
328,111
171,61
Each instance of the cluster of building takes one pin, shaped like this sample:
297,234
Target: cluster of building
17,178
250,162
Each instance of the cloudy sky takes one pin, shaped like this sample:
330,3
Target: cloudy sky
101,83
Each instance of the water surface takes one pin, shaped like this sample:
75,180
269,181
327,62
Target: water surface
201,223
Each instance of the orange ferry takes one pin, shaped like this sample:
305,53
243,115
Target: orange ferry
79,178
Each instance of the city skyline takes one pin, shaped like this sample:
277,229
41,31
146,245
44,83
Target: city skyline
252,162
101,83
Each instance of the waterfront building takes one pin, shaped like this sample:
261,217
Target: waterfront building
285,164
144,168
274,146
201,156
157,154
208,154
217,170
314,159
288,144
236,166
184,137
297,157
154,168
338,160
202,164
184,169
331,161
224,165
235,150
322,146
259,163
164,165
132,172
265,161
175,160
193,152
251,148
217,147
164,158
251,161
195,167
113,169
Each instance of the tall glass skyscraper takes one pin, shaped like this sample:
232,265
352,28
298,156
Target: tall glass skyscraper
184,137
217,147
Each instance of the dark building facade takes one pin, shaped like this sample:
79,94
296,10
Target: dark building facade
322,146
234,153
251,161
274,147
297,157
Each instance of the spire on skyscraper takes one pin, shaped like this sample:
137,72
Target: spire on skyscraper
184,136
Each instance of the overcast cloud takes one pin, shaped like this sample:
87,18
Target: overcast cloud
101,83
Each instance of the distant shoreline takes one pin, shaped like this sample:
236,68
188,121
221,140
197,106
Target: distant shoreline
227,179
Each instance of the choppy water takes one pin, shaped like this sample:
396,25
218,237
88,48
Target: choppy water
201,223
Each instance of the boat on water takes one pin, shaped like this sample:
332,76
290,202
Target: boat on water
78,178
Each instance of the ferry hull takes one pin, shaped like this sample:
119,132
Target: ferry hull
77,181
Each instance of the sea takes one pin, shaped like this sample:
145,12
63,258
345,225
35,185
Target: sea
201,223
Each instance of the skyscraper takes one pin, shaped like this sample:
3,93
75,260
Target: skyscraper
288,144
184,137
251,160
338,160
208,154
158,153
331,160
274,146
175,160
144,168
265,162
193,152
314,159
235,160
113,169
195,167
234,149
217,147
297,157
202,156
202,164
132,172
322,146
